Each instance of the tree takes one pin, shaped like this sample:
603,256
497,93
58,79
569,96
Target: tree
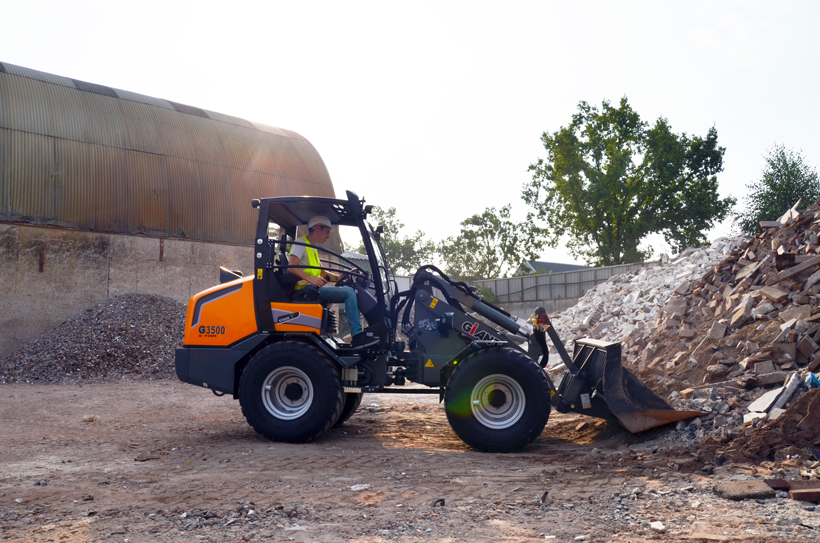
610,179
404,254
786,179
490,245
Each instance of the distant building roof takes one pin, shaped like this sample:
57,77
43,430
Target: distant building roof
553,267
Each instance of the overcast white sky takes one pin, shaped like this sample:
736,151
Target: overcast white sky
437,108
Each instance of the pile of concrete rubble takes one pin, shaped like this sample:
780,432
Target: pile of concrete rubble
718,327
131,336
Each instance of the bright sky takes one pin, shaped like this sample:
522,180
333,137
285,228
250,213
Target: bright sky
437,108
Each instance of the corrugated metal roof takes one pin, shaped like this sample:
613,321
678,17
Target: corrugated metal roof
38,76
83,155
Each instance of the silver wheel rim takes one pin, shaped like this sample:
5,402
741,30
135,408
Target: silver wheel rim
279,393
497,401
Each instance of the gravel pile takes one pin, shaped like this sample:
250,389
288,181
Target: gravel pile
132,336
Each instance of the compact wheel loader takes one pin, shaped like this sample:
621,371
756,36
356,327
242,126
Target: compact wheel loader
259,339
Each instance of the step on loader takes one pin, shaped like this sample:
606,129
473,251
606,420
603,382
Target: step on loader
278,353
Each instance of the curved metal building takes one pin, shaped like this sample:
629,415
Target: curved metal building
85,156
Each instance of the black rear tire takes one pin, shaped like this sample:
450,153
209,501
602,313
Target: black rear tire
352,402
498,400
291,392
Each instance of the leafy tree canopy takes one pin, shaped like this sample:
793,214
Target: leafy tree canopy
610,179
403,254
490,245
786,179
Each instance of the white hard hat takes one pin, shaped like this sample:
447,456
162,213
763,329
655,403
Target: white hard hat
319,219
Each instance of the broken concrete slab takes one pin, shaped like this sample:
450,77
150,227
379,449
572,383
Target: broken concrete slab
740,317
788,325
777,484
808,346
717,331
788,391
742,490
775,378
794,270
798,313
765,402
767,366
774,294
775,412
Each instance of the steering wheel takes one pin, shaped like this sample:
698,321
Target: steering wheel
356,282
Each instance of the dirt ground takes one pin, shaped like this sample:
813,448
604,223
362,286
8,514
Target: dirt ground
165,461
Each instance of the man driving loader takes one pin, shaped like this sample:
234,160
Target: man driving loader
315,281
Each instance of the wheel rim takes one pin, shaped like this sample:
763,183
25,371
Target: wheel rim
497,401
287,393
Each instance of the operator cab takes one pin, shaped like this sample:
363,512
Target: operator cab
282,221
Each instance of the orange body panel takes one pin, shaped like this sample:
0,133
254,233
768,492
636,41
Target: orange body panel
297,317
221,315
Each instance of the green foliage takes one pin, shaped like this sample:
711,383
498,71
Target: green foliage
785,180
490,245
610,179
404,254
487,293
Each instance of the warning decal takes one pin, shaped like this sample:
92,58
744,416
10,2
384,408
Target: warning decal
429,364
433,303
259,273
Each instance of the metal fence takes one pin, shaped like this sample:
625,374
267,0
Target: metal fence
551,286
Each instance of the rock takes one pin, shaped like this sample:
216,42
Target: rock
717,369
807,346
91,418
775,412
717,331
812,280
687,392
762,310
657,526
775,378
767,366
753,418
357,488
743,490
146,457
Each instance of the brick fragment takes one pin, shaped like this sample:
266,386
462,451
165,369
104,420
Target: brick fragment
806,495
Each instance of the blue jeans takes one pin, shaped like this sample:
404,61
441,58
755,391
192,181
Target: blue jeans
337,295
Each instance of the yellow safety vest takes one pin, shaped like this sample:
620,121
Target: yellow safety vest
313,260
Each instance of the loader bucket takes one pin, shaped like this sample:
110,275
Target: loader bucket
599,386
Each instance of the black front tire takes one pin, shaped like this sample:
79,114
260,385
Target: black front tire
291,392
352,402
498,400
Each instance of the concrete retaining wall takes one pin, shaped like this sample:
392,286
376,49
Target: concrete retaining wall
80,269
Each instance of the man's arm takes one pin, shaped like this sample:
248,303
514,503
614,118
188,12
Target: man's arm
300,273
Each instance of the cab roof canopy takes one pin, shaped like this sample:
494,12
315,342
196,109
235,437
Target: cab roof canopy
290,212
